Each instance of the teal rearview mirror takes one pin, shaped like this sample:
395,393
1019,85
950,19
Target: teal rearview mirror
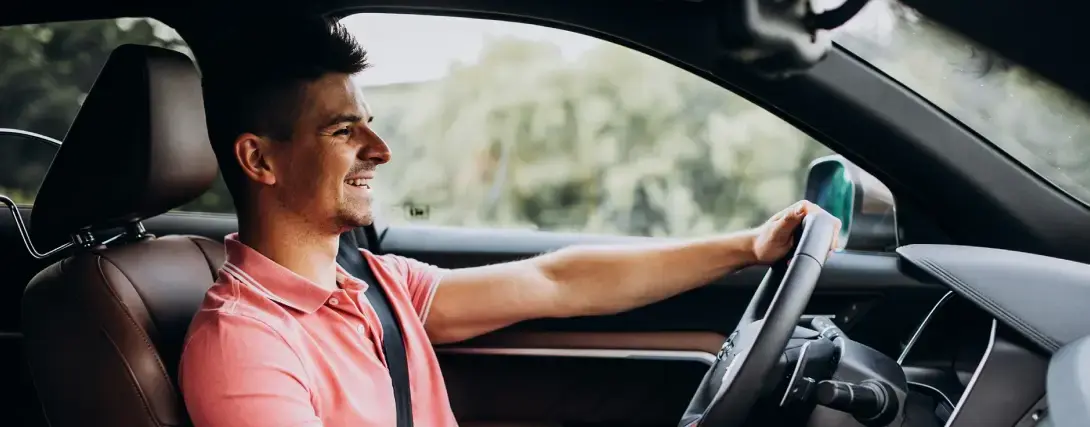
862,203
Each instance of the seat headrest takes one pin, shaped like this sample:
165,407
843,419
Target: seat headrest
139,147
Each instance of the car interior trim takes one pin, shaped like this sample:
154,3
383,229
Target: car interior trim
976,375
995,280
934,389
923,325
669,355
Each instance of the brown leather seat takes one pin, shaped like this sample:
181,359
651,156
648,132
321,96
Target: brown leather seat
104,327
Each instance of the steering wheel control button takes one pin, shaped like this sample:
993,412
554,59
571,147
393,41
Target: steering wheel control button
872,403
728,345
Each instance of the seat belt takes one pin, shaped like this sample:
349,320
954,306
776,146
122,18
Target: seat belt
393,344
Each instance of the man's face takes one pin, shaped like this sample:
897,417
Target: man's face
323,174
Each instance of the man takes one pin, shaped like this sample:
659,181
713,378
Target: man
285,337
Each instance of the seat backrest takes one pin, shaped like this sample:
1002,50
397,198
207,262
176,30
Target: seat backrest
103,328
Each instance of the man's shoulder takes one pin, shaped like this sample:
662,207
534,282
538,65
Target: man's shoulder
230,307
386,263
397,263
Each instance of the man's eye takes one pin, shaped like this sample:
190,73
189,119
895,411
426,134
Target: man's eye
342,132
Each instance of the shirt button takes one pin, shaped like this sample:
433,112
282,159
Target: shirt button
359,329
333,301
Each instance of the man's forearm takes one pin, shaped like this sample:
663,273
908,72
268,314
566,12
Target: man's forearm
597,280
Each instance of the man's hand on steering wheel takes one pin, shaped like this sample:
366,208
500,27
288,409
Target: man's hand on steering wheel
776,237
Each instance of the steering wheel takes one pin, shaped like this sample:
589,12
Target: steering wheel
736,379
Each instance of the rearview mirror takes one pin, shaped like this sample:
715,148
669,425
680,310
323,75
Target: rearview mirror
863,204
780,38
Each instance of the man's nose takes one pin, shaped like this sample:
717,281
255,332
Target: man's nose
375,149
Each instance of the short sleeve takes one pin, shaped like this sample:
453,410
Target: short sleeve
236,371
421,280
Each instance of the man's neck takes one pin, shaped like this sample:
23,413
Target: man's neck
292,244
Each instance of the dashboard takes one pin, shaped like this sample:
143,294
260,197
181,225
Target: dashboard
1008,346
964,368
981,357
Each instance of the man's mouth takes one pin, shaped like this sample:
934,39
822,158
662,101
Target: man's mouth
359,182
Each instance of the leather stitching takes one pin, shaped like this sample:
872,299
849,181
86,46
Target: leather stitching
143,335
992,306
132,378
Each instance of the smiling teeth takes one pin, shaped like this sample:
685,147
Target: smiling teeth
358,182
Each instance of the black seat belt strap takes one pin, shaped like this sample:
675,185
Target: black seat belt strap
393,344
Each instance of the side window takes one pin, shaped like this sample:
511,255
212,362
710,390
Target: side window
511,125
47,70
23,163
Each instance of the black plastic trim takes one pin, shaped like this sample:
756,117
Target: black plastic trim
1043,298
1009,382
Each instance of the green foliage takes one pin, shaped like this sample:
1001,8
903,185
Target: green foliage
615,142
45,72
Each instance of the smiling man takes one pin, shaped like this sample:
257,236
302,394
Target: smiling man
286,338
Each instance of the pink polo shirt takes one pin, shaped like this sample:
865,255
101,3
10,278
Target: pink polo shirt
271,348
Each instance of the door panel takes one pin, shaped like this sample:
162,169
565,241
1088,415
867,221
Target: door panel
572,391
681,342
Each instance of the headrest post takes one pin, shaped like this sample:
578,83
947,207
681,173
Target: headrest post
25,234
136,231
84,238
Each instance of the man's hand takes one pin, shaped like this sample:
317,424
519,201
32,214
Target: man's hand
773,239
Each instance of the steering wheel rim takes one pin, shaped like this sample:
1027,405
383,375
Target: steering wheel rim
735,381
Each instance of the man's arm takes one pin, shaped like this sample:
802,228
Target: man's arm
597,280
578,281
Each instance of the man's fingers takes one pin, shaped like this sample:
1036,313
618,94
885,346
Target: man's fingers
836,236
785,212
790,218
789,223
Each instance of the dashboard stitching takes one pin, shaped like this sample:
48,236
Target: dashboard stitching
997,310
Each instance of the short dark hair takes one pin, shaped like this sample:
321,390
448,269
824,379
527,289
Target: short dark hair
254,79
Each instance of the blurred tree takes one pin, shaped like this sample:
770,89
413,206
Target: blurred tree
613,142
47,71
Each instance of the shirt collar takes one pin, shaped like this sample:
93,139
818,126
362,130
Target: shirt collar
280,284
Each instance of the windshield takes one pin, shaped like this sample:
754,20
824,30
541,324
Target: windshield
1032,119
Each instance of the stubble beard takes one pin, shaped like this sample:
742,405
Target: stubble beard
355,214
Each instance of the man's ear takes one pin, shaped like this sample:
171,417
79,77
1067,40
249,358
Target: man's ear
252,153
